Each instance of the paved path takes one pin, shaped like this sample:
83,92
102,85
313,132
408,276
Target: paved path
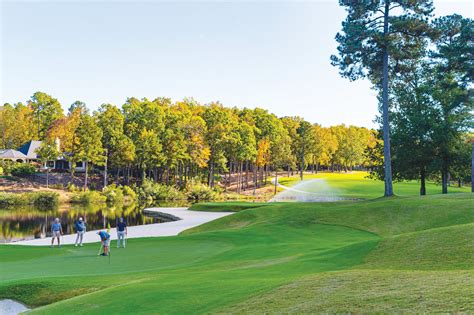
188,220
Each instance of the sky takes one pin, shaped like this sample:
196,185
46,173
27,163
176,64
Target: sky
273,55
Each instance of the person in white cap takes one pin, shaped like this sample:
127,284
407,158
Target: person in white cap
80,230
57,231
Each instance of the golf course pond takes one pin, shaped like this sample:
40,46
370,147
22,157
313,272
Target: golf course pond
28,223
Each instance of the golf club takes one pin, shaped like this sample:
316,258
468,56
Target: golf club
100,249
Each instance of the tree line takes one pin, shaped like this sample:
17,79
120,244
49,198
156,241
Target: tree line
422,68
174,142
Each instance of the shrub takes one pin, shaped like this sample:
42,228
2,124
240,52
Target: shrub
10,200
198,192
72,188
57,186
129,193
38,199
236,196
88,197
113,193
20,169
43,199
7,166
151,191
1,170
92,186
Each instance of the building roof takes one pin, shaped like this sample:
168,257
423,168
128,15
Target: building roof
29,149
12,154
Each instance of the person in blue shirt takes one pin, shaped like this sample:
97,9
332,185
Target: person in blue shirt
80,230
105,238
57,231
121,232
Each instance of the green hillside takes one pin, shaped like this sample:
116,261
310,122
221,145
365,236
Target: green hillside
402,254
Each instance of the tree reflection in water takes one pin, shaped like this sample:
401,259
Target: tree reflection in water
24,223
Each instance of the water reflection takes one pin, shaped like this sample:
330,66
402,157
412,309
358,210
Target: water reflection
26,223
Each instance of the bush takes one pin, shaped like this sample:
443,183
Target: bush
10,200
72,188
1,170
151,191
92,186
38,199
43,199
88,197
20,169
7,166
198,192
57,186
113,194
129,193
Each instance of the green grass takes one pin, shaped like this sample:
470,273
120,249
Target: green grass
357,185
401,254
226,206
368,292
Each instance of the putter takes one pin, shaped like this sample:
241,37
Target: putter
100,249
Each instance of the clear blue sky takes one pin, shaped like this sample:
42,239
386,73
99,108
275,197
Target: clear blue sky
273,55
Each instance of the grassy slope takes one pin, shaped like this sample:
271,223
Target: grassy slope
356,185
226,206
374,292
248,261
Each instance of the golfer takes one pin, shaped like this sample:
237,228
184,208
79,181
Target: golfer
121,232
57,231
80,230
105,238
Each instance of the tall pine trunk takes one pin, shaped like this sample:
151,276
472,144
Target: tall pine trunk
238,177
128,175
302,165
211,175
423,181
255,180
265,168
85,179
117,177
386,127
444,178
247,164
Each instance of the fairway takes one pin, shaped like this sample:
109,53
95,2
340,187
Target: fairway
357,184
383,255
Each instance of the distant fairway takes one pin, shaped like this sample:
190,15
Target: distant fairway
402,254
358,185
